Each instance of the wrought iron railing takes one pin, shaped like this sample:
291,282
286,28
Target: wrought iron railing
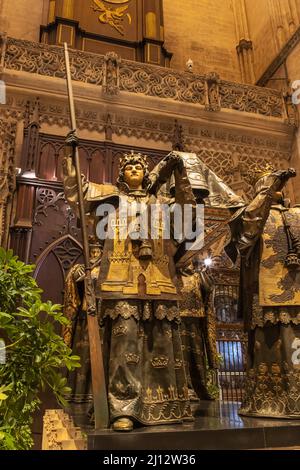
231,343
232,347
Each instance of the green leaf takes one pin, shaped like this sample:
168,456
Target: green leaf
5,315
35,353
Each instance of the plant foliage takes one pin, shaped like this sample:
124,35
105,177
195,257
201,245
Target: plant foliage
34,354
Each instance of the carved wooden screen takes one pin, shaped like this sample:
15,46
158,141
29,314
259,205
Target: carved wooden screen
56,241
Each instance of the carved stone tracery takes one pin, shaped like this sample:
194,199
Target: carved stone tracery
115,75
7,176
46,60
162,83
251,99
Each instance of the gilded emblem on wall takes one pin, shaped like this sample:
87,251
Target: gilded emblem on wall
113,15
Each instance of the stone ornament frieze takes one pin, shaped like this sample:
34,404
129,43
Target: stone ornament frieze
161,82
7,175
33,57
227,152
117,75
251,99
149,128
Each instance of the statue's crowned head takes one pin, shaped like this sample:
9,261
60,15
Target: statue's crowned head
259,176
260,171
134,171
95,248
260,179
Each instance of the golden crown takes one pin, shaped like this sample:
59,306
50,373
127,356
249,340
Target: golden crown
159,362
178,363
260,171
132,358
94,241
132,156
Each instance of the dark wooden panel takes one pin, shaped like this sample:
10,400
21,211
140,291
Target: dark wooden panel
97,171
53,266
102,47
47,163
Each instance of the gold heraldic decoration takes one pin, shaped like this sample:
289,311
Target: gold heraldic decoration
111,15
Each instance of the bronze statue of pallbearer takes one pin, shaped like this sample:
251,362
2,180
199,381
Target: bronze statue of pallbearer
266,234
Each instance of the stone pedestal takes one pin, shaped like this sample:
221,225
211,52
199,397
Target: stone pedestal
60,433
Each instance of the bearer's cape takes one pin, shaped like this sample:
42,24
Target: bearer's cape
278,286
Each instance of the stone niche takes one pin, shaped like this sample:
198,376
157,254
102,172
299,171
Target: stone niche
133,29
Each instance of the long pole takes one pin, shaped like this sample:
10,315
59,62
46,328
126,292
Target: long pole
101,412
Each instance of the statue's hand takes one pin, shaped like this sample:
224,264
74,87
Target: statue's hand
68,162
176,161
163,171
68,167
79,273
72,139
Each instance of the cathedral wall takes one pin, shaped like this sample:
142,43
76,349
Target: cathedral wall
261,34
293,64
205,32
23,20
271,24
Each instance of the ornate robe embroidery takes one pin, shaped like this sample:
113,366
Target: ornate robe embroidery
278,285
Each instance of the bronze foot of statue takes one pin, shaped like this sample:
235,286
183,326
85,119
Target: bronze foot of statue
193,397
122,424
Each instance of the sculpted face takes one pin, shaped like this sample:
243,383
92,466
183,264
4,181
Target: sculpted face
95,253
134,175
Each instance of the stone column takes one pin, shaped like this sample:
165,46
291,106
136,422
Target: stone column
51,14
244,44
285,19
68,9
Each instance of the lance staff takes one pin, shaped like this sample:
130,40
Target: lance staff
98,378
